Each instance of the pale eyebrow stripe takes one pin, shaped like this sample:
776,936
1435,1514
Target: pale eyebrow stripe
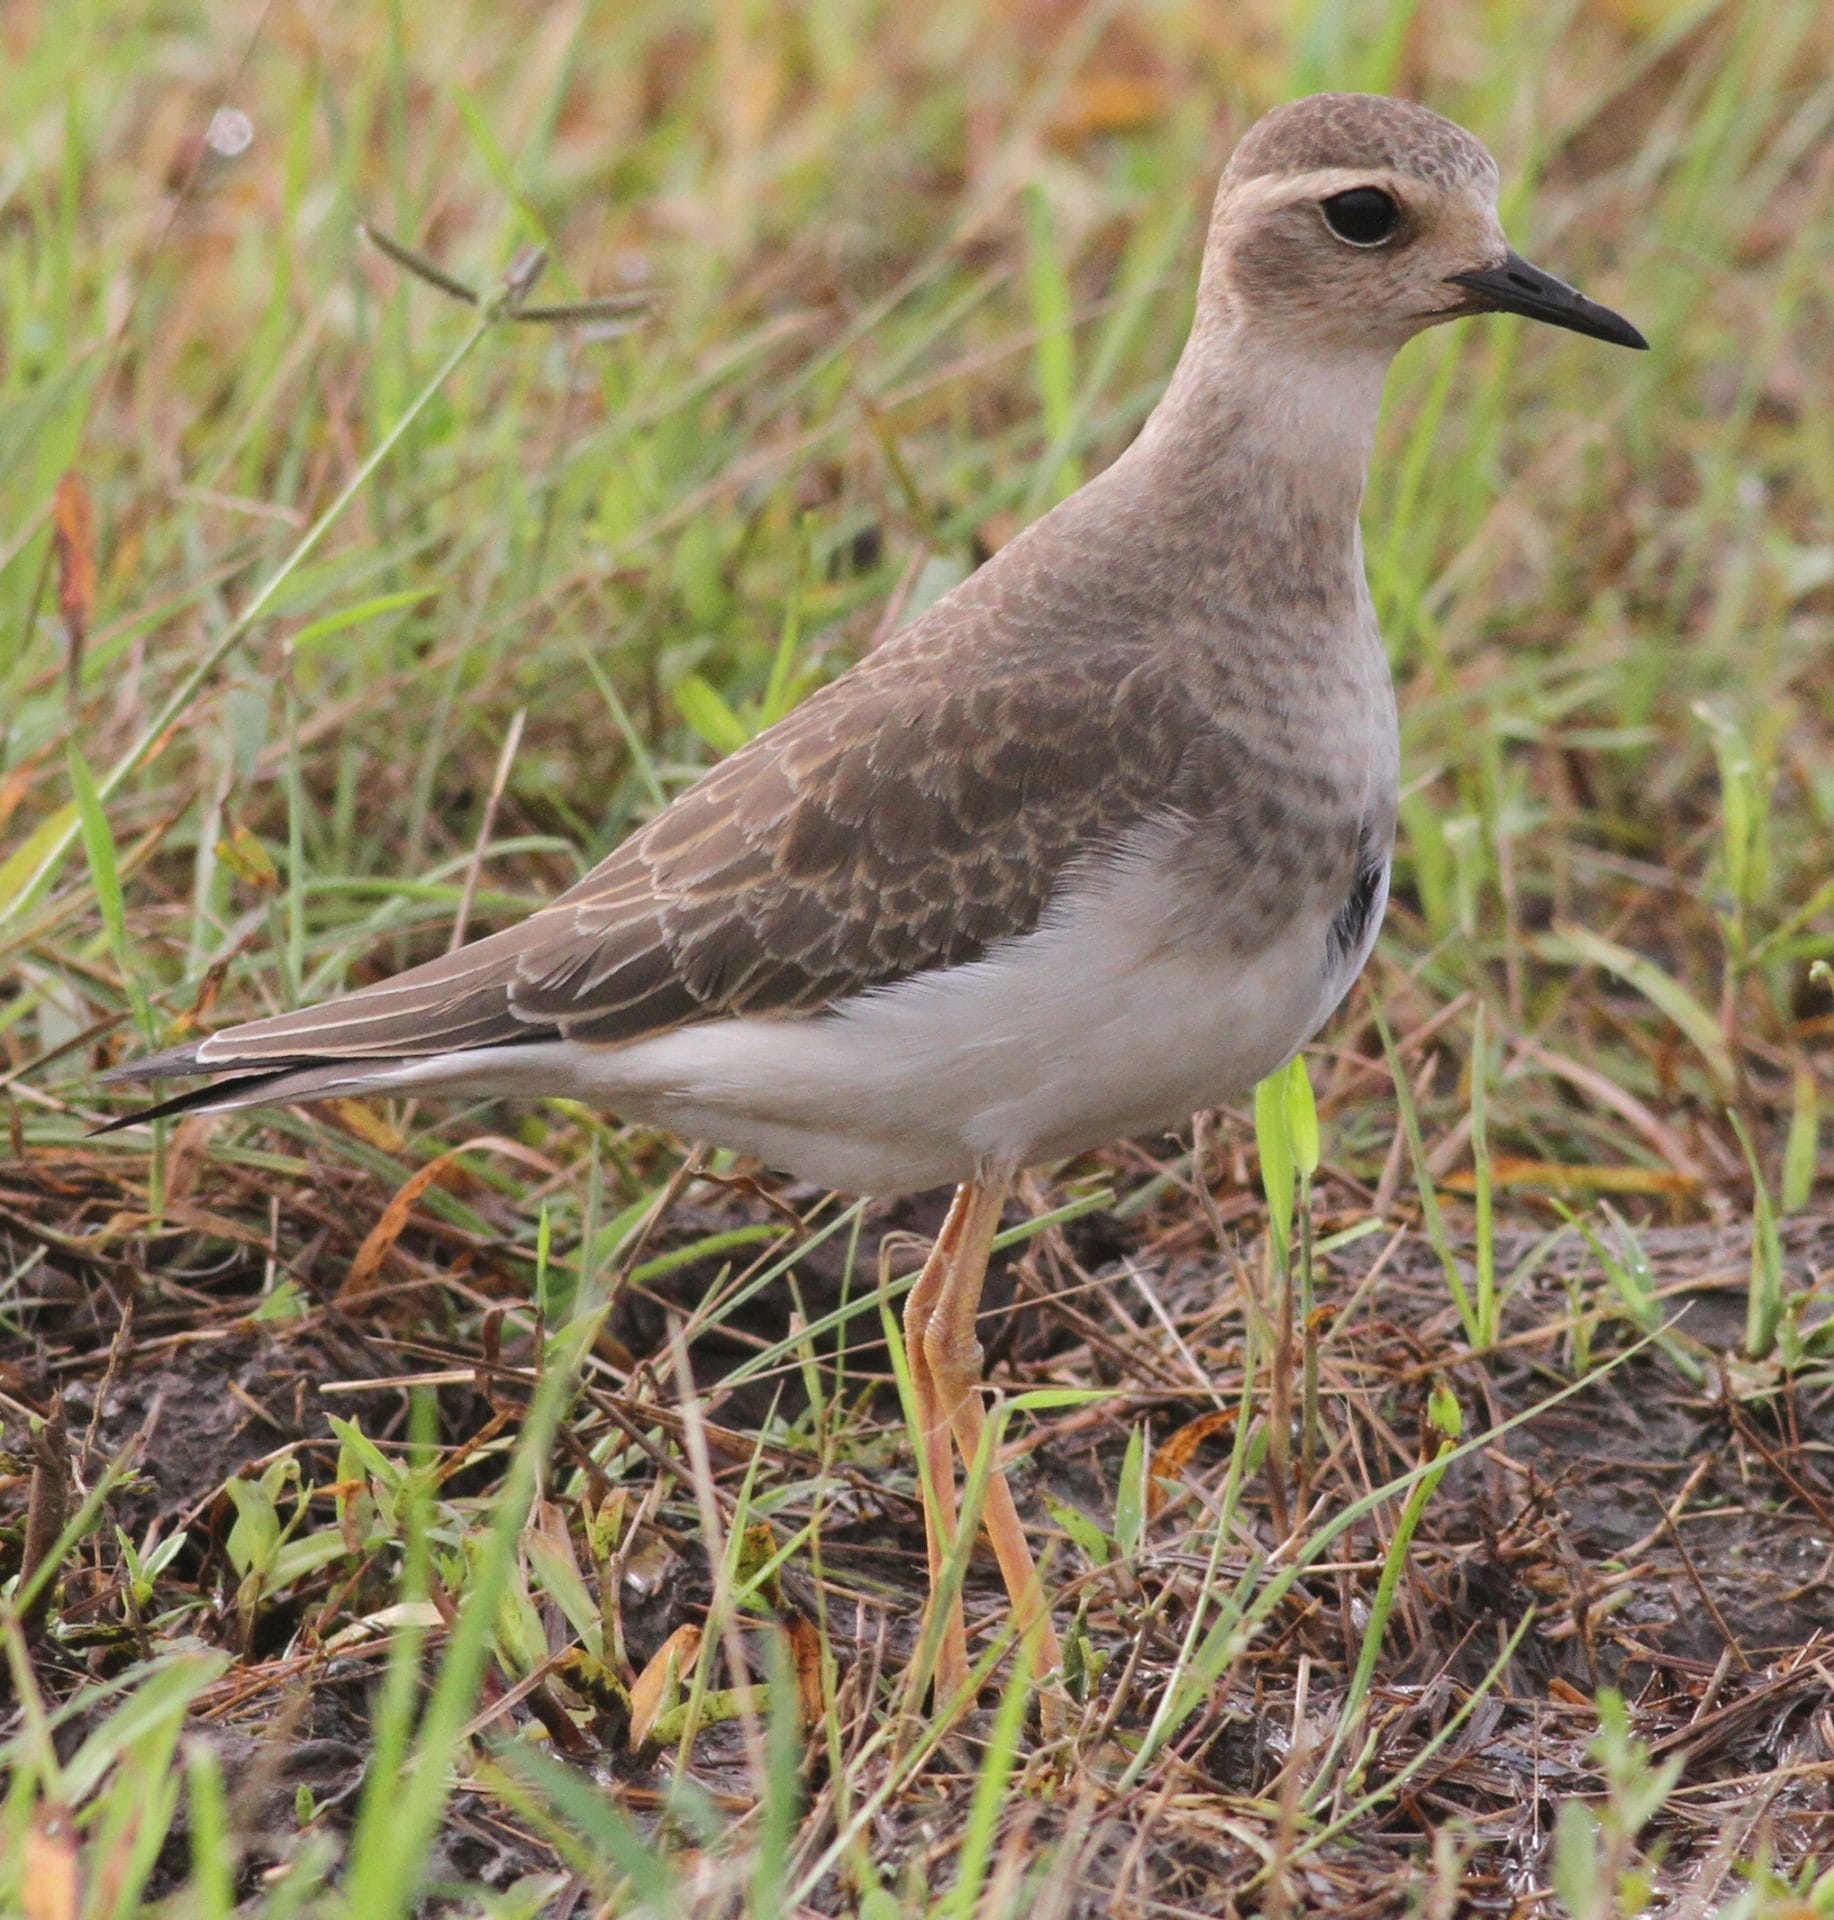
1317,183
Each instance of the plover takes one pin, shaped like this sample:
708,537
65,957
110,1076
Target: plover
1099,840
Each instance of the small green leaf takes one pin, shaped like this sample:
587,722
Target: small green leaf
779,690
1050,1399
367,1454
1579,1873
330,623
99,846
557,1576
1802,1146
164,1554
1423,1183
1090,1540
706,710
298,1558
1301,1117
280,1475
1130,1496
1764,1296
1053,314
1273,1140
288,1301
138,1584
243,853
256,1533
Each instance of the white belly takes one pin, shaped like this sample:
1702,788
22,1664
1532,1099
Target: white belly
1089,1029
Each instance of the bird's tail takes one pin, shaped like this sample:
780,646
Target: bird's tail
471,1069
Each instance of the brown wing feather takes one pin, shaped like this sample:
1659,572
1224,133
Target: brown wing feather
865,838
908,816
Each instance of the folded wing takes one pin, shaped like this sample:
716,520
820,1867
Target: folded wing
900,819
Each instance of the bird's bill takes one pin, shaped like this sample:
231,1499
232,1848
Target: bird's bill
1514,286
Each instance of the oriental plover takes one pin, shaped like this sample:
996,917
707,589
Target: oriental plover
1099,840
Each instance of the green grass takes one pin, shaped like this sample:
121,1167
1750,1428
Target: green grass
398,614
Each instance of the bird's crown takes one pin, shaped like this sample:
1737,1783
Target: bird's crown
1367,131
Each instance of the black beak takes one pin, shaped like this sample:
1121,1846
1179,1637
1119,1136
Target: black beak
1513,286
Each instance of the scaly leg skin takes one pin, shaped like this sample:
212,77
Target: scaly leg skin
938,1463
954,1356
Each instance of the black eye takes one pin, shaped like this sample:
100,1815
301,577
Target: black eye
1365,216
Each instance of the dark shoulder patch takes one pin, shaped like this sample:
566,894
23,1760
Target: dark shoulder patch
1354,922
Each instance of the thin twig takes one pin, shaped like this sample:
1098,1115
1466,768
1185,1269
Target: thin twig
499,780
524,271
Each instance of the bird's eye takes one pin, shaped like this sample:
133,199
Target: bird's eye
1365,216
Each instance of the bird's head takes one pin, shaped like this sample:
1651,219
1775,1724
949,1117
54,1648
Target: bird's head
1351,221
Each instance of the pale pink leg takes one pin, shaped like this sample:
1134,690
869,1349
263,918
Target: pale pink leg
932,1415
953,1352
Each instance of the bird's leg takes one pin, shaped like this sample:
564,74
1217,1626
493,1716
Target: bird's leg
938,1462
954,1355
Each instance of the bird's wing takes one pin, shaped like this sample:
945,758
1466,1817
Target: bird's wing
907,816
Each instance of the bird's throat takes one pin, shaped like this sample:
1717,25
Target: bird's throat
1252,415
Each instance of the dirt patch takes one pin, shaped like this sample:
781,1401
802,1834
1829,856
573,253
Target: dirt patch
1664,1537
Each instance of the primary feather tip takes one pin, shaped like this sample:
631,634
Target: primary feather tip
239,1090
169,1065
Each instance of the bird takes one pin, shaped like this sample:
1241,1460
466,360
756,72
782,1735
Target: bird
1098,841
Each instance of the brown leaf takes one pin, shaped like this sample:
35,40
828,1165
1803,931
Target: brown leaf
805,1657
380,1242
14,787
52,1887
47,1506
360,1280
1170,1460
661,1680
205,999
185,1156
997,529
73,519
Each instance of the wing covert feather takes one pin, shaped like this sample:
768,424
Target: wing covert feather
861,840
906,816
